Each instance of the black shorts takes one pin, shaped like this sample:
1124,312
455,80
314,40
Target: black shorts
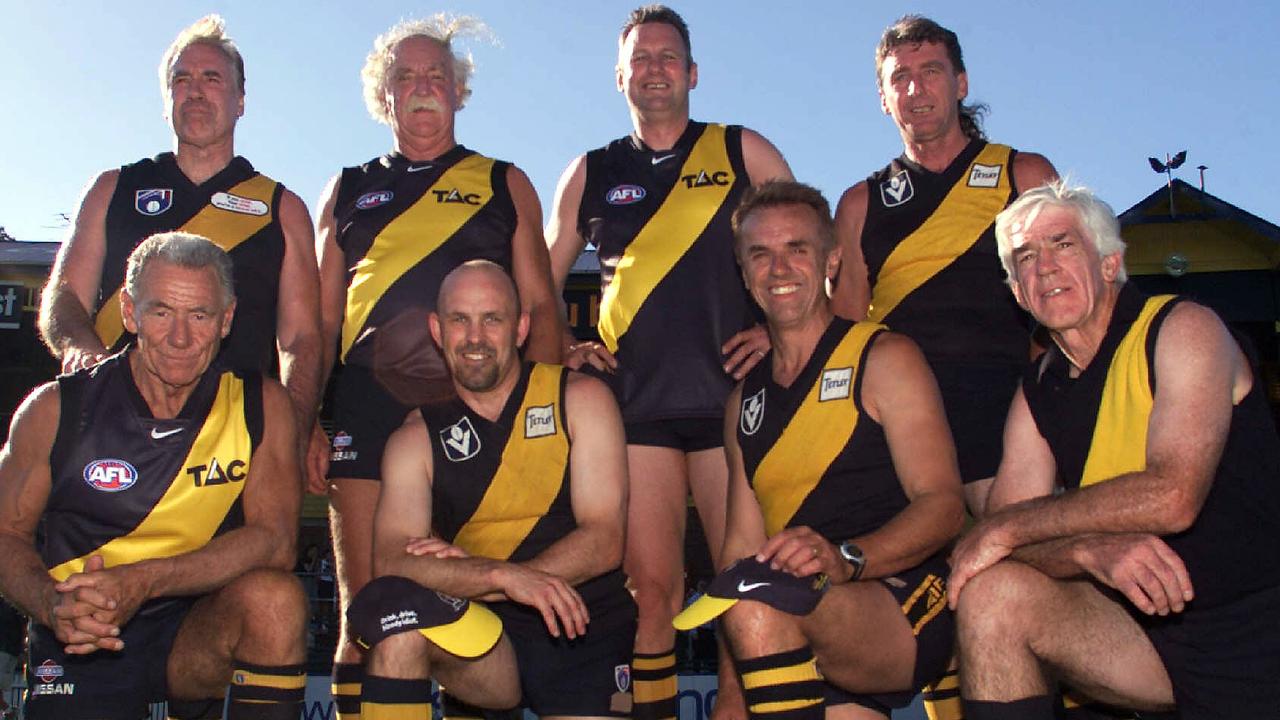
1224,662
364,416
976,399
105,685
684,434
587,676
922,594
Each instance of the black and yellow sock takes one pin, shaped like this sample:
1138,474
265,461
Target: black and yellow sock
942,696
394,699
266,692
783,686
345,689
1039,706
653,686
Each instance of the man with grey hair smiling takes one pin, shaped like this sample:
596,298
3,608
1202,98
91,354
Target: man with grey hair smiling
148,513
1132,542
390,230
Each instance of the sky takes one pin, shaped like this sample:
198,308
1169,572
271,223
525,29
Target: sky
1095,86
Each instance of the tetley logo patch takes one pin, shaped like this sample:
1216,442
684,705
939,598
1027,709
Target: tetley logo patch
152,201
752,413
624,195
896,190
371,200
460,440
110,475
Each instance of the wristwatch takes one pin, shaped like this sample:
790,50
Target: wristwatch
853,554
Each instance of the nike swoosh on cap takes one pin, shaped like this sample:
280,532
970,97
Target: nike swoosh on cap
744,586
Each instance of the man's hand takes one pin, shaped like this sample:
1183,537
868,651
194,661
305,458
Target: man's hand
1143,567
434,547
559,603
977,550
81,618
591,353
118,592
78,358
802,552
317,462
745,350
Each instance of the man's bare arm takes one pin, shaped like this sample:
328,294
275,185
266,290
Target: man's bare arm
1031,170
531,269
1027,468
333,300
852,293
298,336
763,161
744,521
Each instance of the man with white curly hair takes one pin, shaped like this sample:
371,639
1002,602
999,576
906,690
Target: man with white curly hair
201,187
390,230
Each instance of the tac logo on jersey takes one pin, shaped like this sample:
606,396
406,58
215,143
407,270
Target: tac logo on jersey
110,475
540,421
836,384
236,204
624,195
752,415
622,677
986,176
371,200
705,179
455,196
152,201
216,472
48,671
460,440
897,189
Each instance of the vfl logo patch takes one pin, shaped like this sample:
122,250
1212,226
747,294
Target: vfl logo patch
625,195
371,200
622,677
237,204
110,475
986,176
836,384
152,201
752,415
540,421
48,671
460,440
896,190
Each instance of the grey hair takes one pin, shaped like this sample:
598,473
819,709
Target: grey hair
210,30
185,250
1096,218
440,28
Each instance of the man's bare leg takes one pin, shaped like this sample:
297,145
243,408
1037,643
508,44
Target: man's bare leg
351,506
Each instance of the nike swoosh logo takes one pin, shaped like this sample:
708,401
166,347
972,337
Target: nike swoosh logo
661,159
744,586
418,168
157,435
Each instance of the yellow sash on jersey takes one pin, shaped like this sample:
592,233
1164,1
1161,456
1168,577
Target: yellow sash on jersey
1119,442
817,433
415,234
527,480
187,516
225,228
960,220
668,235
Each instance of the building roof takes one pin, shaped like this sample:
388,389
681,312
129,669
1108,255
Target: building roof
28,253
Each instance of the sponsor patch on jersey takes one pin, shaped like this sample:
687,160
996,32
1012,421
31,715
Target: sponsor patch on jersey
622,677
460,440
987,176
152,201
624,195
897,189
752,414
236,204
837,384
540,421
371,200
48,671
341,440
110,475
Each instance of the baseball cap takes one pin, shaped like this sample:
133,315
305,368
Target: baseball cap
750,579
390,605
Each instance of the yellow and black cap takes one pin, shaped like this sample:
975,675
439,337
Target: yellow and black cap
750,579
391,605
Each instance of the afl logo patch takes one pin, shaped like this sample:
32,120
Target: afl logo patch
371,200
110,475
624,195
752,413
152,201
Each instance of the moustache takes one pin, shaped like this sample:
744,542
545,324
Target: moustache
430,103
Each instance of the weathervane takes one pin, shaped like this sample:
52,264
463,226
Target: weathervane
1167,167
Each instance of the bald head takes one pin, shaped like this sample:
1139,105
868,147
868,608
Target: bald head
482,273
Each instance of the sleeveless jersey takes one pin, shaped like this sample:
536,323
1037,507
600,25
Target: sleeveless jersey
402,227
1096,426
930,248
238,209
131,487
671,290
812,454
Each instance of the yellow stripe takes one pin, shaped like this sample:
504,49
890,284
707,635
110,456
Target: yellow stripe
1119,442
225,228
517,499
784,705
378,711
668,235
344,688
186,517
279,682
947,709
813,439
419,231
662,663
960,220
781,676
935,598
950,681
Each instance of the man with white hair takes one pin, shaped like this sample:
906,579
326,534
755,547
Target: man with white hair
1150,578
390,230
205,188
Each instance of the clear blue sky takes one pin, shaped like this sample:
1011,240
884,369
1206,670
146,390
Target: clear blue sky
1096,86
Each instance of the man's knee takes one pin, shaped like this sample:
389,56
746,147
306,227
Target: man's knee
1005,599
754,628
402,655
269,601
